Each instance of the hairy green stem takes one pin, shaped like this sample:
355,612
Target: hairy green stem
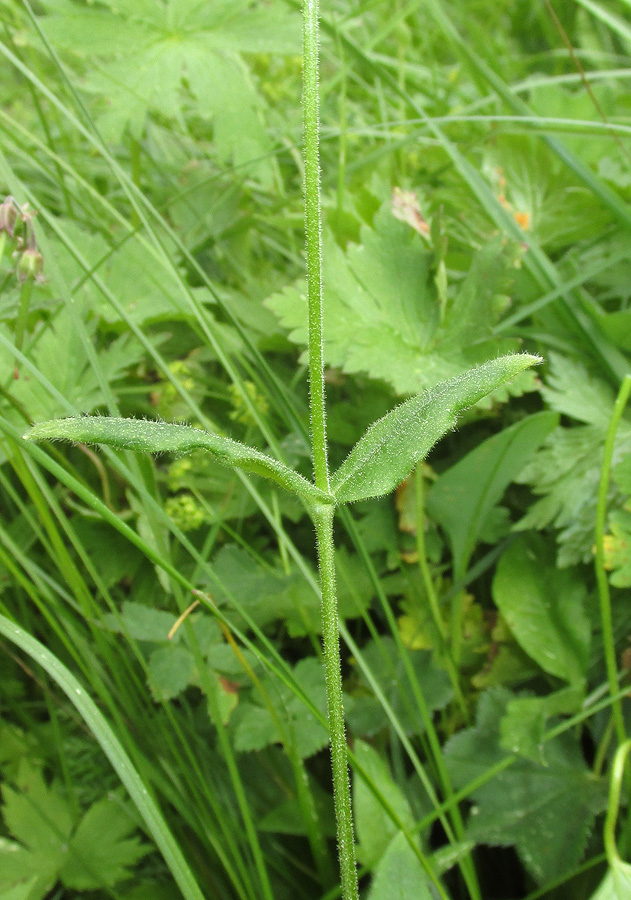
323,520
323,514
313,240
601,574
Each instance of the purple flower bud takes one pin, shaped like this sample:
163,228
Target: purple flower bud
8,216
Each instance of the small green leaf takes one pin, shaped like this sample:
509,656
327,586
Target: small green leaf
162,437
392,446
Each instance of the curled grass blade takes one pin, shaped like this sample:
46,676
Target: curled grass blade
111,746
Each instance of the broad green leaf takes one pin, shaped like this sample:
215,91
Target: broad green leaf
546,812
70,371
523,727
399,875
161,437
266,594
22,891
142,623
96,854
153,60
113,557
465,495
170,671
616,885
36,814
146,291
375,828
258,726
622,880
17,865
392,446
365,714
383,315
270,594
544,607
102,849
288,817
573,391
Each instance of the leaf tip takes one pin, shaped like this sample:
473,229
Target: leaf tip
532,359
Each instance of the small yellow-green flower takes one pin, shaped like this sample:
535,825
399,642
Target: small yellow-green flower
185,512
240,412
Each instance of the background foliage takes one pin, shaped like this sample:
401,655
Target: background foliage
477,181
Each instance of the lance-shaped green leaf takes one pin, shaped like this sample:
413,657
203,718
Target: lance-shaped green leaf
163,437
392,446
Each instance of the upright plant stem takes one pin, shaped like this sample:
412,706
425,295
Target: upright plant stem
313,237
330,635
323,515
601,573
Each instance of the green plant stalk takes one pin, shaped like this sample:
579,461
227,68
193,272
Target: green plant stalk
422,553
323,520
26,289
323,515
601,573
313,241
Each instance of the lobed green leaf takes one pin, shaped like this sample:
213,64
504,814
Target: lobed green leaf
392,446
163,437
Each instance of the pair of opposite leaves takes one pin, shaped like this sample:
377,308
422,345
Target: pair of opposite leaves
381,459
